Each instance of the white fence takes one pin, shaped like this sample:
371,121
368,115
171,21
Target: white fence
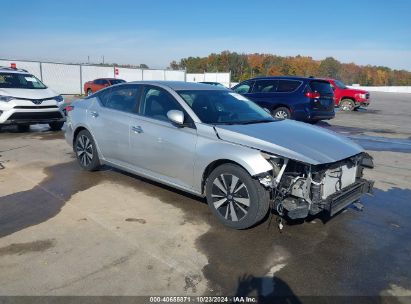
223,78
70,78
391,89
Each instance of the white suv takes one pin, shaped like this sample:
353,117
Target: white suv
25,100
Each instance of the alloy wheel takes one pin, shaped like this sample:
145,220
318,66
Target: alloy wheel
230,197
84,150
281,114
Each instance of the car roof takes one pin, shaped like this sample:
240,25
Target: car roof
182,85
11,70
286,77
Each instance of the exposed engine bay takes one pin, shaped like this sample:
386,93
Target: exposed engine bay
299,189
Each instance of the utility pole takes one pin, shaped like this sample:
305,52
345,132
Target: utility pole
103,59
88,59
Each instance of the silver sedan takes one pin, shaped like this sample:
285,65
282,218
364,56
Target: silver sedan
214,143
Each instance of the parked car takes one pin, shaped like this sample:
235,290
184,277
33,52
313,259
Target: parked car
95,85
215,143
25,100
349,99
299,98
213,83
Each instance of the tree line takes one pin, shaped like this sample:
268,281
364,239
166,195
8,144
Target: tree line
245,66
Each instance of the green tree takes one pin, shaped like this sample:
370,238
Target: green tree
329,67
245,66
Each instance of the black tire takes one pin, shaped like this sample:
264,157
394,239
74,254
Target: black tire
281,113
232,212
89,92
86,151
23,128
347,105
56,126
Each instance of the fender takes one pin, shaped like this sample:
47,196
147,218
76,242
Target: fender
250,159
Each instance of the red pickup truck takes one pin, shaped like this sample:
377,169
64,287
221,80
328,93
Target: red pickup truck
95,85
348,99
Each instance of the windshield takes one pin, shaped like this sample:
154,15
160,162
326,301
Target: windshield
117,81
340,84
20,81
322,87
224,107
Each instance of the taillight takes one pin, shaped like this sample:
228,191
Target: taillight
312,94
69,108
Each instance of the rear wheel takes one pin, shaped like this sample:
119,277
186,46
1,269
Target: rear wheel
347,105
238,200
86,151
89,92
23,128
56,126
281,113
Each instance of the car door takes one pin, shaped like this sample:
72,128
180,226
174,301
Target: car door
245,88
158,146
264,93
109,118
96,85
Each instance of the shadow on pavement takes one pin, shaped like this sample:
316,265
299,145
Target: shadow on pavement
265,289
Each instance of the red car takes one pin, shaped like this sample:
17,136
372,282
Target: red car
91,87
349,99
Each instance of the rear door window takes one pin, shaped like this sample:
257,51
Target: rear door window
244,87
288,85
121,98
322,87
265,86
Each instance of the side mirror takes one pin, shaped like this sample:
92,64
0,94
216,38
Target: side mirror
176,117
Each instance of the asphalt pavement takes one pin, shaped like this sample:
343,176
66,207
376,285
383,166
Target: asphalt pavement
64,231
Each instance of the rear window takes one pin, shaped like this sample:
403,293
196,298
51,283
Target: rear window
322,87
288,85
117,81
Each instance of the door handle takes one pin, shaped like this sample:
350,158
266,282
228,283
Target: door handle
137,129
94,114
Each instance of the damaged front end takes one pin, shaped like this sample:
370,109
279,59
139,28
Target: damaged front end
299,189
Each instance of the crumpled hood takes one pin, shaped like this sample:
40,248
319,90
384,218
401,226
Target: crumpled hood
291,139
28,93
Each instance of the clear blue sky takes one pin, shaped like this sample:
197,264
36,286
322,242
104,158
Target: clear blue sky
156,32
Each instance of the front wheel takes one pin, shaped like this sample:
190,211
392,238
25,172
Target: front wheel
56,126
347,105
86,151
281,113
89,92
238,200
